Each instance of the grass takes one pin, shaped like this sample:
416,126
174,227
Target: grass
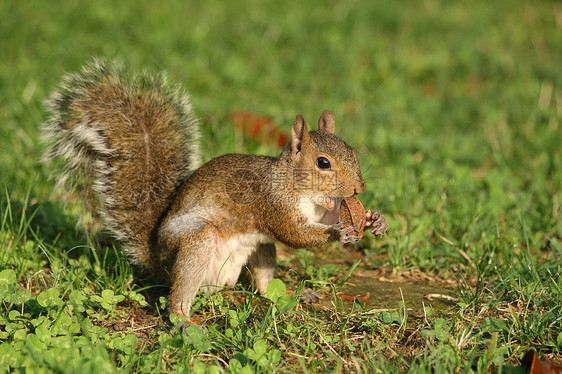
455,111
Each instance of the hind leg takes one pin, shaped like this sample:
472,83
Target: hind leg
263,264
190,270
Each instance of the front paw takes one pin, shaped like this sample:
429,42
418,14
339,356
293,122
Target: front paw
341,234
376,220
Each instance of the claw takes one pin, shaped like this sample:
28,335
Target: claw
379,229
349,239
376,220
377,233
348,230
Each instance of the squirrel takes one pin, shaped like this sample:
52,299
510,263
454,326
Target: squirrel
130,148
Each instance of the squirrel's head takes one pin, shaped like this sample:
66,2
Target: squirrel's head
321,161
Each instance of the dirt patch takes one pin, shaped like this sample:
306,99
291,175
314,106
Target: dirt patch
387,294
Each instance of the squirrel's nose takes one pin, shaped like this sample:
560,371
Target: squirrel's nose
360,188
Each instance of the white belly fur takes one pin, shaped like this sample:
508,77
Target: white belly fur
225,265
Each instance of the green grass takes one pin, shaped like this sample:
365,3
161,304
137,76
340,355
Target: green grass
454,108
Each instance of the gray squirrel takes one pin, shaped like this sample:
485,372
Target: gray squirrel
130,148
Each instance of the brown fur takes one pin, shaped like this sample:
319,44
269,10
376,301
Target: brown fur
134,145
131,143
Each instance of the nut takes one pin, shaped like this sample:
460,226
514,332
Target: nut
352,213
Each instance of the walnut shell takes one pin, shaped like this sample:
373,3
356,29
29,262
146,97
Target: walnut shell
352,213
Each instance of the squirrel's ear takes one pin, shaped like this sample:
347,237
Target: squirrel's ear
299,134
327,122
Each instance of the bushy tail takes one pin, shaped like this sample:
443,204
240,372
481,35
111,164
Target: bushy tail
125,146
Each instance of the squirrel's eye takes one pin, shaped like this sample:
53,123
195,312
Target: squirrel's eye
323,163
